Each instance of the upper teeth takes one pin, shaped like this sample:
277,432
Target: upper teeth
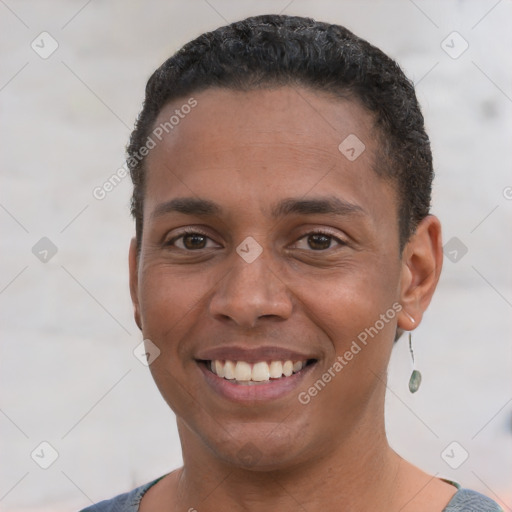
243,371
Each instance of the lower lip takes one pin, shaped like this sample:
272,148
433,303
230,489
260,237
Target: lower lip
266,390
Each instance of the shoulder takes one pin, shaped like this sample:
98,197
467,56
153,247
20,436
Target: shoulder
127,502
466,500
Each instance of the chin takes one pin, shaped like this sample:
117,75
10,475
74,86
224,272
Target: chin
267,447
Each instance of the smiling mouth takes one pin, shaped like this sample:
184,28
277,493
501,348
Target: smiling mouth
263,372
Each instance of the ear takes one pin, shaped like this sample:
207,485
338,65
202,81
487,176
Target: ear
422,260
134,281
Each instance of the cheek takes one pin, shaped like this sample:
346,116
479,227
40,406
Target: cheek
357,311
360,340
168,296
168,304
347,301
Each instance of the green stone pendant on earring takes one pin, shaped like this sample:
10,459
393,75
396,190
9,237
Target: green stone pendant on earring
414,381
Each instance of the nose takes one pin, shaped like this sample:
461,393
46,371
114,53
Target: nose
250,292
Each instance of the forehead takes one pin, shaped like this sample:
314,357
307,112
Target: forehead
260,144
297,115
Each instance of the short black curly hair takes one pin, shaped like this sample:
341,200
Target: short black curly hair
279,50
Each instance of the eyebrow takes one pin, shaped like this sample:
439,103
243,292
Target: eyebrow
188,206
326,205
205,208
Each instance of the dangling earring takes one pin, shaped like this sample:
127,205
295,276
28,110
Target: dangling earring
415,380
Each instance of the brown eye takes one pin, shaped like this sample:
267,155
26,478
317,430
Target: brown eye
191,241
319,241
194,241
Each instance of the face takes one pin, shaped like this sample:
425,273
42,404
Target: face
263,242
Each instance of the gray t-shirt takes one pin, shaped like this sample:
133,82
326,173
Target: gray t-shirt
464,500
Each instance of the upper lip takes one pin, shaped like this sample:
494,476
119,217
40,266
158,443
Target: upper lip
252,355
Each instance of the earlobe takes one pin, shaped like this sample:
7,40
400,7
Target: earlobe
422,262
134,281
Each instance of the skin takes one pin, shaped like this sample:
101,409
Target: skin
246,151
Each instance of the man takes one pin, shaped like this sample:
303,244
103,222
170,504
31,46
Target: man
282,180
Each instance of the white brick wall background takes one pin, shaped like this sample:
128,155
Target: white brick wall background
68,374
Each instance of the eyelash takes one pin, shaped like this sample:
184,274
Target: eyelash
196,231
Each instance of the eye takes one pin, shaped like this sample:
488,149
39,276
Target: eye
190,241
319,241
